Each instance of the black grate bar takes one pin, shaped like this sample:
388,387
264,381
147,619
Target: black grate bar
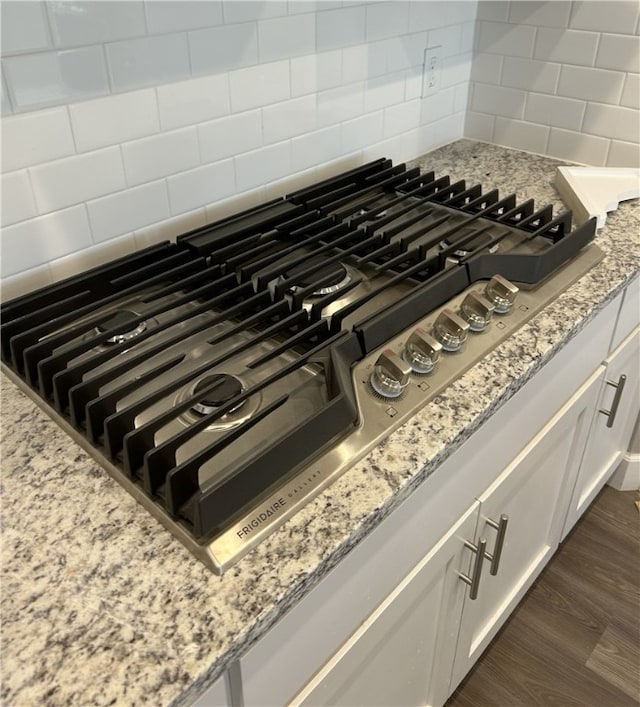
116,425
182,480
538,218
555,229
33,334
422,191
47,367
307,333
388,249
515,215
69,383
253,266
282,287
356,174
162,456
466,199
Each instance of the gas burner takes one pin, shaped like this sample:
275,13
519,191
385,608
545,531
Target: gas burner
226,388
333,278
123,319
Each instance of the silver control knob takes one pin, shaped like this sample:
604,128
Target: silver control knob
476,310
391,375
501,293
422,351
450,330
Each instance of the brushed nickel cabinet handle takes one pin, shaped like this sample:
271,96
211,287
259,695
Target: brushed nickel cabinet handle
494,558
474,580
619,386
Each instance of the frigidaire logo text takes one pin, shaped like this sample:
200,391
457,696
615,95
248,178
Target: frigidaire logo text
258,520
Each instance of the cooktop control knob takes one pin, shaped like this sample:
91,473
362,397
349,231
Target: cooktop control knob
422,351
501,293
450,330
390,375
476,310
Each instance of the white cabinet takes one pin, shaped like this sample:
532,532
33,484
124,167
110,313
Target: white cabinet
530,497
616,413
402,653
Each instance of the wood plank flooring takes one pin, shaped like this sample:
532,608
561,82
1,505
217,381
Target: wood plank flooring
574,641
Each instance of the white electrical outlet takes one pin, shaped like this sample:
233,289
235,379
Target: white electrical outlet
431,71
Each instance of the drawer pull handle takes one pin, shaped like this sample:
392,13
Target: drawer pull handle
619,386
474,580
494,558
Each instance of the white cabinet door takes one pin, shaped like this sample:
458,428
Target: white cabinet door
532,492
402,654
618,407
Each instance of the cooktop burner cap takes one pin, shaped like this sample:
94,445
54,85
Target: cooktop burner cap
330,278
124,320
226,387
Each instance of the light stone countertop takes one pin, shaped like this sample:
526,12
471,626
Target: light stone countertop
101,605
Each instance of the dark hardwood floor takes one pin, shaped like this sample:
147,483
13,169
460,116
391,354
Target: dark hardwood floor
574,641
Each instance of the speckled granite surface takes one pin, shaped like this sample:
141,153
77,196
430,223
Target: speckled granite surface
100,605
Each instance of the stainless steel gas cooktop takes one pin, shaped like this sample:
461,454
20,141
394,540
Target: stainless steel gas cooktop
227,378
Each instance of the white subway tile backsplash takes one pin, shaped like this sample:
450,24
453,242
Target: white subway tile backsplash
591,84
235,204
315,148
617,16
577,147
386,19
503,38
467,36
259,85
624,154
362,131
5,103
218,49
438,106
75,22
619,51
160,155
566,45
35,137
493,10
403,52
257,168
73,180
448,38
631,91
227,137
541,14
286,37
362,62
498,100
339,104
178,15
23,27
249,10
194,101
340,28
316,72
455,70
127,210
37,80
383,91
99,254
479,126
487,68
114,119
401,118
413,83
530,74
40,240
289,118
461,97
612,121
16,197
147,61
557,111
521,135
201,186
25,282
